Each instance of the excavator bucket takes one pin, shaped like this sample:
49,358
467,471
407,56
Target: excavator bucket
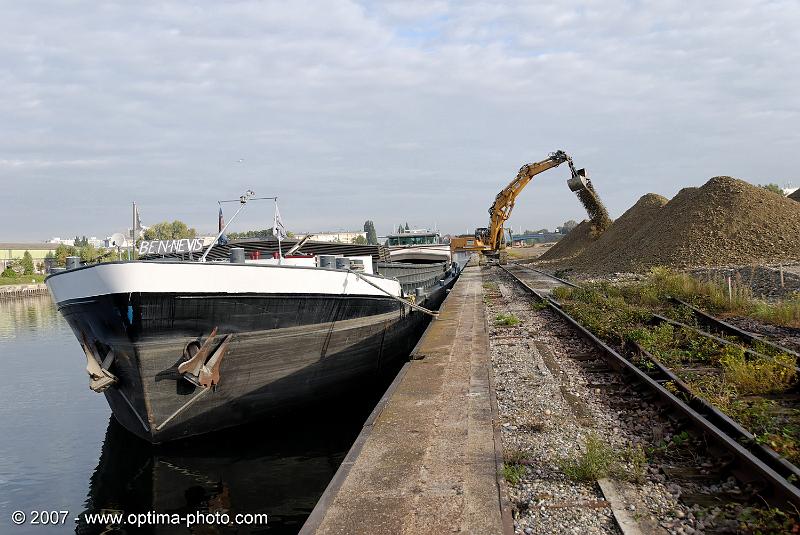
578,181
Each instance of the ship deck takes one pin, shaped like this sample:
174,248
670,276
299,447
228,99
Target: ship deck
428,458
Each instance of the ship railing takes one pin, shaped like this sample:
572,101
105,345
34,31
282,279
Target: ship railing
413,276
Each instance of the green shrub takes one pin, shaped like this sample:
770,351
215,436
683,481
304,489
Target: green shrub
513,473
595,462
27,263
508,320
760,375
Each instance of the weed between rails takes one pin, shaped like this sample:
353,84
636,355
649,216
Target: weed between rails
507,320
599,460
709,295
513,468
725,374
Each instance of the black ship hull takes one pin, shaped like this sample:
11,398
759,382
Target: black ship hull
284,351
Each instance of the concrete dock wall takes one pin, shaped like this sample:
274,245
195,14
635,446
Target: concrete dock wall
13,291
427,460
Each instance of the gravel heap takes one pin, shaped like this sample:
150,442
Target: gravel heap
727,221
637,221
795,196
573,243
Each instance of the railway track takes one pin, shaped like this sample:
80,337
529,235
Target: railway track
765,474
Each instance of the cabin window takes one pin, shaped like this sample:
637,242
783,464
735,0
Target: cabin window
412,239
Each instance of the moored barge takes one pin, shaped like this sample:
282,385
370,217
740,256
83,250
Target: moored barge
181,347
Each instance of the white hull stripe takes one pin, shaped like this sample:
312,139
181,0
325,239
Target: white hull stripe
189,278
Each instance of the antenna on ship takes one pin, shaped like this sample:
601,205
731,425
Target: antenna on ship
133,233
278,230
249,194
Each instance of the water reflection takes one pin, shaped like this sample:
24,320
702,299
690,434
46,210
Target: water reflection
54,429
24,316
277,467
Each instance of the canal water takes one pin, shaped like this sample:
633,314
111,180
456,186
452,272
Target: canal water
60,449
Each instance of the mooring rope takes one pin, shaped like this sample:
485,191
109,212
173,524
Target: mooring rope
400,299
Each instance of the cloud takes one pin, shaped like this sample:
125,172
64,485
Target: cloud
390,111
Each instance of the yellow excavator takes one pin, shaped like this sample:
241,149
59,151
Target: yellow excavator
491,240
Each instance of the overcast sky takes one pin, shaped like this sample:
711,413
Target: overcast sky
391,111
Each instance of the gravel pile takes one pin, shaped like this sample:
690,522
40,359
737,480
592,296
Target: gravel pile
795,196
725,222
629,228
573,243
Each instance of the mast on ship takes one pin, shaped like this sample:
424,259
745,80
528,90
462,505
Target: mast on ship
249,195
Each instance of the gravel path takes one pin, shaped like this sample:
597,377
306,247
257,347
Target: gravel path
550,402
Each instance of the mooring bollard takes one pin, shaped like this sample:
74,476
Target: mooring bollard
237,255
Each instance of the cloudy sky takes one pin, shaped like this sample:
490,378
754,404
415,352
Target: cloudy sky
391,111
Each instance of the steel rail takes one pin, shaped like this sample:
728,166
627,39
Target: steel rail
658,318
727,328
770,457
540,272
781,487
702,317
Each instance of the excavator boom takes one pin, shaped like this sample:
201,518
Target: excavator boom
500,210
491,238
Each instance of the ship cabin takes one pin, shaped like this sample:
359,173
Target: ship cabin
413,238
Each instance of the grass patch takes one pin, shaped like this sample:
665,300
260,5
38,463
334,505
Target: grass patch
507,320
711,295
767,520
635,468
513,473
786,312
539,305
22,279
514,465
599,460
783,441
722,374
754,415
759,375
514,456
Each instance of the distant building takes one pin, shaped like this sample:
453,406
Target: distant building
59,241
15,251
339,237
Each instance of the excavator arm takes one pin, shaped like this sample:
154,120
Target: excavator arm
500,210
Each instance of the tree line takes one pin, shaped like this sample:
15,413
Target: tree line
774,188
20,266
563,229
